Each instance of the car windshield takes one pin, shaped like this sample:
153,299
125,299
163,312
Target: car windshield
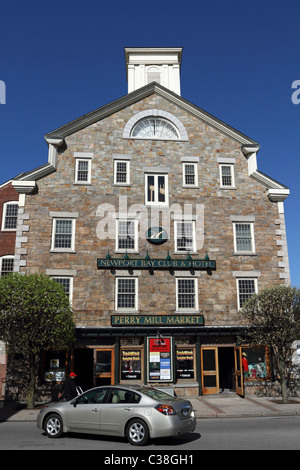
157,394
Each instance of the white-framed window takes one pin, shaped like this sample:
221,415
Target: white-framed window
185,239
246,287
186,294
63,235
83,170
121,172
244,237
126,294
155,124
6,265
153,127
127,235
190,174
10,216
156,189
227,179
66,283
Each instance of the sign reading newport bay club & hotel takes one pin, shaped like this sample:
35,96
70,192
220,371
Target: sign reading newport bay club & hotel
127,263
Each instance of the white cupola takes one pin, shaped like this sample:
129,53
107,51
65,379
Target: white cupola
153,64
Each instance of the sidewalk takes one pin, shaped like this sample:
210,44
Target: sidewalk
230,405
225,405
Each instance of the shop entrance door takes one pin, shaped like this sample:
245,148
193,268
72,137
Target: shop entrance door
105,366
210,370
239,377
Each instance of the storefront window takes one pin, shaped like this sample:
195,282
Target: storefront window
160,360
185,363
131,364
54,367
255,359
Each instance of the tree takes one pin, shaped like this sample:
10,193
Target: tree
274,320
35,315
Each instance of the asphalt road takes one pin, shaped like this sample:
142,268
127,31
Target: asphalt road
262,433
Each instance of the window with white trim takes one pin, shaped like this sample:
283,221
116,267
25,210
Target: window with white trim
155,128
185,236
63,234
83,170
6,265
227,179
10,215
190,174
121,172
66,283
243,237
246,287
126,293
156,189
186,294
127,235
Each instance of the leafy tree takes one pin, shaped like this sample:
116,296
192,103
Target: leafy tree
274,320
35,315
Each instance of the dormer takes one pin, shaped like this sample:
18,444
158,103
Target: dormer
153,64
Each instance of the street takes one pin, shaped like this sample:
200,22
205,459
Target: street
262,433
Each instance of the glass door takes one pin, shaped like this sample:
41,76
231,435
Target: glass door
210,370
105,366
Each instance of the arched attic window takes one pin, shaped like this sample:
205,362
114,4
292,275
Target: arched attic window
155,124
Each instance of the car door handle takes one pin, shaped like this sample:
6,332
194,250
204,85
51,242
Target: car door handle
128,409
95,410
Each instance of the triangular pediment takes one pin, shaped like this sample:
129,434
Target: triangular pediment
276,191
140,94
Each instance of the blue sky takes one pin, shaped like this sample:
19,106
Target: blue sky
60,60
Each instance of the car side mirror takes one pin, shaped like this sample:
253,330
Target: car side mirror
74,403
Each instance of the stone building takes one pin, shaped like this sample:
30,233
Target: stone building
154,217
9,201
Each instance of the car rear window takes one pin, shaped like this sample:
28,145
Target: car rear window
157,394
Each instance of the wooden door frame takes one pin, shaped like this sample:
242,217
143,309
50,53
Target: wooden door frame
205,373
110,374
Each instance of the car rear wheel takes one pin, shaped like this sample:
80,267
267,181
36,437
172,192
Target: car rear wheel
53,426
137,432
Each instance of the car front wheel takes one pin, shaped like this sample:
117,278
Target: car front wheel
53,426
137,432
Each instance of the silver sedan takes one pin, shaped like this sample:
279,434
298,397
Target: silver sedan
139,413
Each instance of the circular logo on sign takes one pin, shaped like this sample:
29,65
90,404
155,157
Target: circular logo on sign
156,235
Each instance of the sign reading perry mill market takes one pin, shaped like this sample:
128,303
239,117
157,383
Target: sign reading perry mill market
157,320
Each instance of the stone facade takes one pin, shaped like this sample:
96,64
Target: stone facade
217,291
94,208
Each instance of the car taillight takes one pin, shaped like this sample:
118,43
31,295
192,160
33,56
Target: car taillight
167,410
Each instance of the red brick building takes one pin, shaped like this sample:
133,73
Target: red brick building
9,202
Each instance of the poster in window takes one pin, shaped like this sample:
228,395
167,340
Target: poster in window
185,363
257,364
131,364
160,359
